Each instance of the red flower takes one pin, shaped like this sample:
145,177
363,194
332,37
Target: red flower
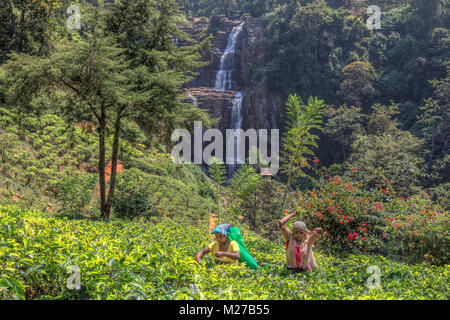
364,238
316,160
340,221
396,226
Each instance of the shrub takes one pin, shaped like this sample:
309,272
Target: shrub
75,190
132,199
357,220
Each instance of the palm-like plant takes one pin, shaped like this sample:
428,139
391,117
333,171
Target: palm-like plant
299,139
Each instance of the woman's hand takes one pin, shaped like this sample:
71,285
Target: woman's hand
198,258
318,231
219,254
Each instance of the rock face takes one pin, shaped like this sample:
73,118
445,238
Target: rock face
217,103
263,109
220,27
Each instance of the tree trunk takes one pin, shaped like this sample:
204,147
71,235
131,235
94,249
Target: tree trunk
21,33
286,190
343,152
115,152
101,163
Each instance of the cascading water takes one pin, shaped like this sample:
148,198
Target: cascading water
224,82
193,99
236,123
223,77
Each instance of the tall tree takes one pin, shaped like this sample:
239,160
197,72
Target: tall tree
91,74
146,31
7,26
357,87
343,125
36,23
386,154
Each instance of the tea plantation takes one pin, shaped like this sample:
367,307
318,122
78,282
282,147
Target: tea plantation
39,255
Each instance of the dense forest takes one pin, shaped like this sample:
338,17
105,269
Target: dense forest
92,91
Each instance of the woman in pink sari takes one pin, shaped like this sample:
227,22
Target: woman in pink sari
299,244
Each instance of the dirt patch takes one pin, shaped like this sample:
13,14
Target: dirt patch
212,222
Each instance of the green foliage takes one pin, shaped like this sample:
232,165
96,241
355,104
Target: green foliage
217,171
302,119
343,125
132,199
262,210
244,182
387,153
357,83
31,26
299,139
75,191
138,260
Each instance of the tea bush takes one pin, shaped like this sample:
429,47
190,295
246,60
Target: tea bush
138,260
132,199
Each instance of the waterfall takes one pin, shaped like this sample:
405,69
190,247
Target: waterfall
193,99
223,77
236,123
223,83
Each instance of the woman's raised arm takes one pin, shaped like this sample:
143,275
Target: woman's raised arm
282,225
